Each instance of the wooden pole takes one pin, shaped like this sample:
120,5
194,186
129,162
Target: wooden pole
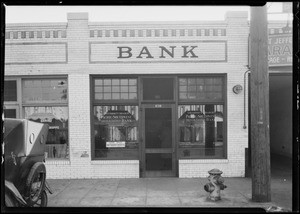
260,132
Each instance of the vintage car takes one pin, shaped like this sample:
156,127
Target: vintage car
25,171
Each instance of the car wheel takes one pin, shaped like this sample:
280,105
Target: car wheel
42,201
35,183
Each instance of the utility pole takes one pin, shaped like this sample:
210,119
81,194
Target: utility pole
260,130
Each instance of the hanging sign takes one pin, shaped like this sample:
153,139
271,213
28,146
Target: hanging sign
280,50
118,118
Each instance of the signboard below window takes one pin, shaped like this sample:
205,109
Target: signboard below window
115,144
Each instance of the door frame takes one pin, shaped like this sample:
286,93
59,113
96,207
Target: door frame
145,151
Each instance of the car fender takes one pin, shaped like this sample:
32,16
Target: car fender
14,191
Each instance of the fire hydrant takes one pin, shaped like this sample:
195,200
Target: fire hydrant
215,185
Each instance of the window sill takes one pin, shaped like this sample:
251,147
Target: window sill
195,161
57,162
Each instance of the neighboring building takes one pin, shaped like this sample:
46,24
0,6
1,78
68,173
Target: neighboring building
136,99
281,79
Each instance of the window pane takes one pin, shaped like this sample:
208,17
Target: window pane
99,82
132,81
107,96
124,88
191,81
46,90
124,96
115,82
116,89
192,88
132,96
10,90
57,144
99,89
115,96
163,89
107,81
99,96
107,88
124,81
132,89
10,113
182,88
182,81
115,132
201,131
183,95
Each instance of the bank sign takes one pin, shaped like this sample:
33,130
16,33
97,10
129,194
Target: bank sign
280,50
158,51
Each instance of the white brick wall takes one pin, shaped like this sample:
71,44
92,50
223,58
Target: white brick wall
78,69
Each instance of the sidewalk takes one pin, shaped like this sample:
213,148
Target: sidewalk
161,192
171,192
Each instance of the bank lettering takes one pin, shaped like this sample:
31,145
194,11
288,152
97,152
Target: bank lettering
125,52
157,51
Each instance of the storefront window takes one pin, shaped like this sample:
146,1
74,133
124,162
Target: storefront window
115,132
45,101
57,118
201,131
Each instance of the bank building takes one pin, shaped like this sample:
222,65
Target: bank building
133,99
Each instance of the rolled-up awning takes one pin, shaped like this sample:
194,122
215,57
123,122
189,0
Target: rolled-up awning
43,117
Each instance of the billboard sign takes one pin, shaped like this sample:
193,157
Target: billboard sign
280,50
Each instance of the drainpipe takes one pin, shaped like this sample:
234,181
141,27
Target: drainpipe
244,127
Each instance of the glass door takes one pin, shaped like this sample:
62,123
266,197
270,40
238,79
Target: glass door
158,140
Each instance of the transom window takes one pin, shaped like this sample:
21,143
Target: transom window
116,89
201,88
45,91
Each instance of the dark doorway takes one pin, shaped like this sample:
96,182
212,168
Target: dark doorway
159,143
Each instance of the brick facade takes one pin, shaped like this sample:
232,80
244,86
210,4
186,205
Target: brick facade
68,49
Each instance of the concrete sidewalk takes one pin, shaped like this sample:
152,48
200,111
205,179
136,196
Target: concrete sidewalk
161,192
171,192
